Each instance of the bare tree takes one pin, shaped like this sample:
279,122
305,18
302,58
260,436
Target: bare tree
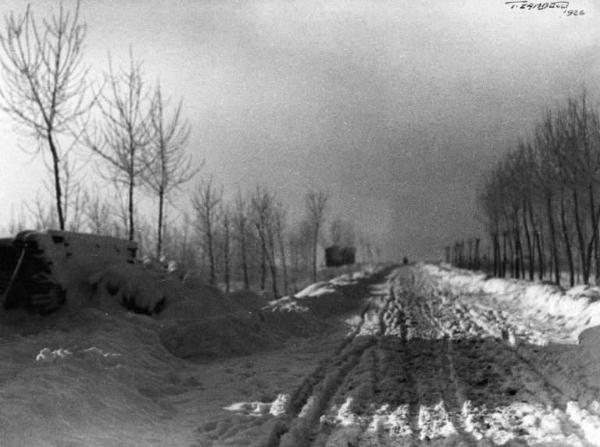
549,185
121,137
167,164
226,221
263,203
240,224
45,86
279,215
98,213
205,201
316,205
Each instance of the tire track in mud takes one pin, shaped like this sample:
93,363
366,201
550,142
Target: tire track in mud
527,377
411,393
421,369
550,395
310,400
431,322
436,375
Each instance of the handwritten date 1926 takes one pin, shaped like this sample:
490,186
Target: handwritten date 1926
564,5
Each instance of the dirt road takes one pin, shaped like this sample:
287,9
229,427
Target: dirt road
422,368
416,356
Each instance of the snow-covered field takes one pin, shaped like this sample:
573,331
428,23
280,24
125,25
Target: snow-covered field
418,355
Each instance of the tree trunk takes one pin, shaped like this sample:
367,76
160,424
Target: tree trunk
543,241
580,238
244,261
496,244
57,187
530,251
161,204
594,223
130,208
314,254
537,240
504,258
211,254
553,247
520,261
272,265
567,240
226,256
283,263
263,263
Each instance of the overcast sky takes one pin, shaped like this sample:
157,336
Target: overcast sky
395,108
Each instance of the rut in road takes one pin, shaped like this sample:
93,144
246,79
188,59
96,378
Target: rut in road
421,369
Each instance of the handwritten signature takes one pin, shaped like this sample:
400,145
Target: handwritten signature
564,5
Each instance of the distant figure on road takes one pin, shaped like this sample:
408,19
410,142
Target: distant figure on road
405,260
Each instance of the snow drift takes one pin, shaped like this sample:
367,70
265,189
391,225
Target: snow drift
575,309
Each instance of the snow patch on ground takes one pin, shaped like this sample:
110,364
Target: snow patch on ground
286,304
316,289
47,354
275,408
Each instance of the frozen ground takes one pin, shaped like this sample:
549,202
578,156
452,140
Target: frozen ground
419,355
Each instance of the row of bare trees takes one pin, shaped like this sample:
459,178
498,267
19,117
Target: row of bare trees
464,254
139,137
540,201
251,239
138,140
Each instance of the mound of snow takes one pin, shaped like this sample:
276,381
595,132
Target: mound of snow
135,287
578,308
316,289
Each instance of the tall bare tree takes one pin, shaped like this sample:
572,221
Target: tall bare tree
241,227
279,227
205,201
263,207
45,87
226,222
121,136
167,165
316,206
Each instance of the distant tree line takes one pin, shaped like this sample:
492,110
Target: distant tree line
464,254
541,203
139,141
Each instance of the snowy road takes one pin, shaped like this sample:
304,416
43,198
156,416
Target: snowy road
433,370
416,356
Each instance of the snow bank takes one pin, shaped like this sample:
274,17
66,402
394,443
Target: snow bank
88,377
142,289
577,308
98,375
